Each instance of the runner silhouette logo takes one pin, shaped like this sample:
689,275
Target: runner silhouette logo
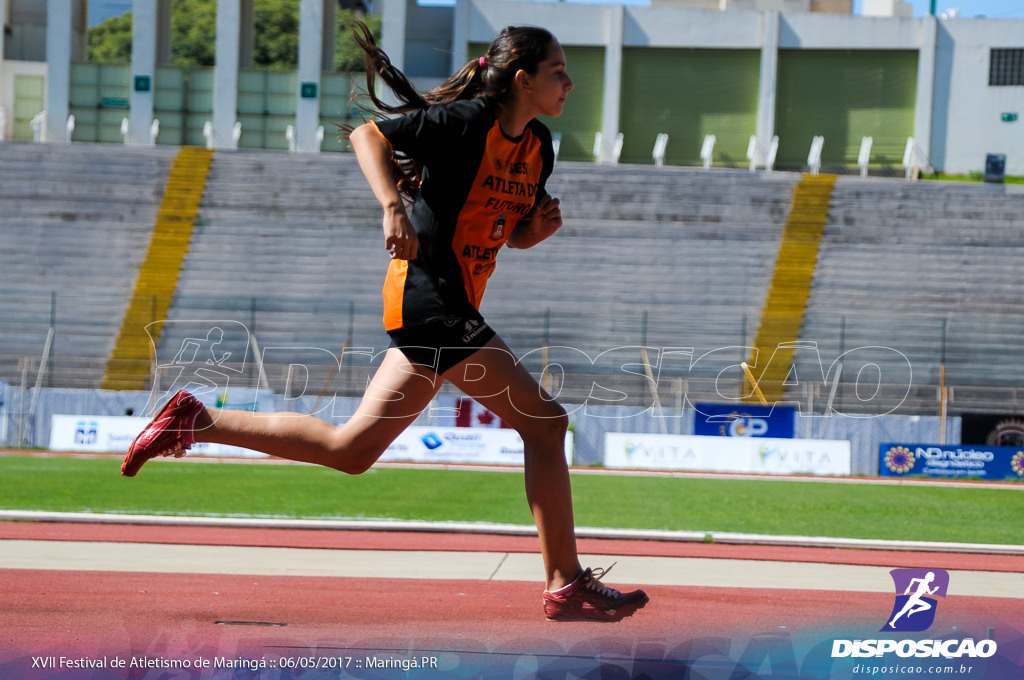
916,593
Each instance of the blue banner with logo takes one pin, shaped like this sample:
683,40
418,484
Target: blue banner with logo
724,420
951,461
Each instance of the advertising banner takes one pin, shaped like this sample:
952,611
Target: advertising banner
114,434
951,461
727,454
492,446
747,420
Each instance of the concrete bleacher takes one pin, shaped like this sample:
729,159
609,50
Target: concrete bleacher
671,258
289,248
931,270
279,235
75,225
687,252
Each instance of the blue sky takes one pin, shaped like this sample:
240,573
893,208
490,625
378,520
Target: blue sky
994,9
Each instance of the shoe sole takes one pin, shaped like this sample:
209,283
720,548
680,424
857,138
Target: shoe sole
618,616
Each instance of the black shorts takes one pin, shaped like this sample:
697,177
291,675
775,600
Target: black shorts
442,345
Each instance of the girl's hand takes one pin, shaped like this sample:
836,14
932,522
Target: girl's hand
542,222
400,238
374,154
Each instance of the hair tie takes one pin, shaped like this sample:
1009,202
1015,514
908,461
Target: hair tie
483,62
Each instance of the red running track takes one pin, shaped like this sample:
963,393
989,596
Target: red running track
186,626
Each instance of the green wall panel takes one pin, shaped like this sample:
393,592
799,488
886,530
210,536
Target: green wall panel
182,102
337,108
170,92
29,98
688,94
98,99
844,96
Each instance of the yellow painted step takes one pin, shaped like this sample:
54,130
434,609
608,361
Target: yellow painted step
131,359
786,302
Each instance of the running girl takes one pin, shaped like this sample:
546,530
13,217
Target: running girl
460,171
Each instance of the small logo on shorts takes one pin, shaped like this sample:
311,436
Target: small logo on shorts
473,329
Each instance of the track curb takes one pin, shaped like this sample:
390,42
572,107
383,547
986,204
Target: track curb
509,530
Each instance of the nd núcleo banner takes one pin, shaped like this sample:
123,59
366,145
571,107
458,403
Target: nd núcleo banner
954,461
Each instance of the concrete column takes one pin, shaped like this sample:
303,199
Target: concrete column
246,35
307,109
79,31
330,35
392,39
144,41
460,34
925,101
58,58
616,15
8,107
164,16
225,74
766,94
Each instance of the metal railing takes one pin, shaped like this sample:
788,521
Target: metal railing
62,341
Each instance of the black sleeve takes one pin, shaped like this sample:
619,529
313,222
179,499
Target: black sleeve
431,134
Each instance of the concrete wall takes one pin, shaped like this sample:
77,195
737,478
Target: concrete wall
957,121
967,111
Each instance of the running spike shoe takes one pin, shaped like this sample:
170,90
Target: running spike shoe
170,433
587,599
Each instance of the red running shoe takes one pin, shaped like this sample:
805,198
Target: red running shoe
587,599
170,433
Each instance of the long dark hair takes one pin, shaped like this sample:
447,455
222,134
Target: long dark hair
515,48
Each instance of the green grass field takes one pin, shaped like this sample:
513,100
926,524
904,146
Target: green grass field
907,512
972,177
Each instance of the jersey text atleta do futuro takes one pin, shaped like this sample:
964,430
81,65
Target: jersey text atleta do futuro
477,183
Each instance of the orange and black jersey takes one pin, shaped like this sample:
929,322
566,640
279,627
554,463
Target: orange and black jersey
477,183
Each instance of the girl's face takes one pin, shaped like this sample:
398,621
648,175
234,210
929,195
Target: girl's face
547,89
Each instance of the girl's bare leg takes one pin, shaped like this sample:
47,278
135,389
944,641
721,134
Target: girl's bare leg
396,395
494,378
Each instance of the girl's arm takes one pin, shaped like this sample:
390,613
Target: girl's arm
543,221
374,154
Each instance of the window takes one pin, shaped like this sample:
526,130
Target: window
1006,66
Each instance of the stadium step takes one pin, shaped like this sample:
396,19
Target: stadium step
130,361
790,288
